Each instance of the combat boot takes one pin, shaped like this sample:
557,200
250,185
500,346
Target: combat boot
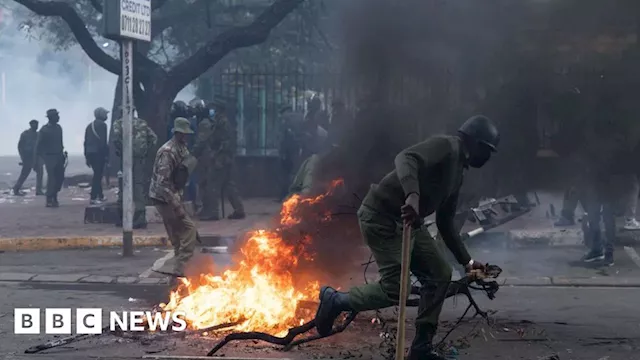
140,220
55,202
18,192
332,304
237,215
49,201
421,347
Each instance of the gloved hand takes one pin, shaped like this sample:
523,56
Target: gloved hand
475,265
410,209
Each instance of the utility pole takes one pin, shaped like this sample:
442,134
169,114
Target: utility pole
126,21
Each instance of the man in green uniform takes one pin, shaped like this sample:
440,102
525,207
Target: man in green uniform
26,149
144,140
223,148
202,151
427,179
166,194
50,148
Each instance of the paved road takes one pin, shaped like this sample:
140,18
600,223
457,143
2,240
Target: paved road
577,323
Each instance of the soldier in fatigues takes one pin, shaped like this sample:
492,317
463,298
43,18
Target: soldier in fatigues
167,196
223,148
427,178
144,140
202,151
50,148
30,161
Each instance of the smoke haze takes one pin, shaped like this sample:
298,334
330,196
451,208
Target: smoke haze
38,78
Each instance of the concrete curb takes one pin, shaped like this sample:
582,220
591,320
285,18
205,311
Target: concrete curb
540,281
76,242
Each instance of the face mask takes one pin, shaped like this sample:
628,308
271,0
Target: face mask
480,156
212,112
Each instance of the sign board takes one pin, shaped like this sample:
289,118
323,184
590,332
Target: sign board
127,19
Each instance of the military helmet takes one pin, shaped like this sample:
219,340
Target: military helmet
197,103
481,129
33,122
52,112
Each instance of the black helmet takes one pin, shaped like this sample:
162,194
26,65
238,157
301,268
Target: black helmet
481,129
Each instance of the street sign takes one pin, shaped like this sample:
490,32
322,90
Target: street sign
129,19
126,21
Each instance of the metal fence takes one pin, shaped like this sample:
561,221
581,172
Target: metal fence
259,96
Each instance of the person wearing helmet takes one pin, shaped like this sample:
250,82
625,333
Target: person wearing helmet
96,151
427,179
50,148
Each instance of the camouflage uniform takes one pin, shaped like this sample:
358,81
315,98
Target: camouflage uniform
144,139
167,196
49,146
223,147
26,149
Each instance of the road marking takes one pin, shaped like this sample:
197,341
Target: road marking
158,264
633,254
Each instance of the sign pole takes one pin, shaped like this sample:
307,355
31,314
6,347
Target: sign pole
127,151
126,21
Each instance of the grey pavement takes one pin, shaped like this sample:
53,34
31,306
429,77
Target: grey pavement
576,323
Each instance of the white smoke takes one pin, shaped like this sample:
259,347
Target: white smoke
37,78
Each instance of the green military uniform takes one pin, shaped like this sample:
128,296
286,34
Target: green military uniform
303,181
202,151
223,148
166,195
49,146
434,170
144,140
30,161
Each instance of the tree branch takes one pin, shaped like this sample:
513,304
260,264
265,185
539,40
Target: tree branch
255,33
160,23
67,13
97,4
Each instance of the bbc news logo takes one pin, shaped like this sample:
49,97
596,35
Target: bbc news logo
89,321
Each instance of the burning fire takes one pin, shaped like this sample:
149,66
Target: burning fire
260,291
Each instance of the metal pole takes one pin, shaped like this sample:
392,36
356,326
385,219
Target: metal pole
127,151
404,289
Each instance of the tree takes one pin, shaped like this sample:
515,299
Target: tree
156,84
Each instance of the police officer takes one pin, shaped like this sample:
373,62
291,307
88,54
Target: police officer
143,143
96,151
223,147
50,148
427,179
26,149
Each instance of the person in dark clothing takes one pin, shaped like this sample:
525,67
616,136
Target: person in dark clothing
26,149
96,152
289,149
50,148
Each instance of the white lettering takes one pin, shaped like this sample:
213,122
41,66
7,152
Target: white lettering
136,320
122,321
158,318
179,318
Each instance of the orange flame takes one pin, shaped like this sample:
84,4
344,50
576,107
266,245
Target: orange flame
259,292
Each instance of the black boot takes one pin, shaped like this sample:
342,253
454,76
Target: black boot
140,220
422,347
18,192
49,201
55,202
237,215
332,304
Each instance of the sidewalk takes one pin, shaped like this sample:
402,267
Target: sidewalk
28,225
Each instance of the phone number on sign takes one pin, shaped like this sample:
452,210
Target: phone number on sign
135,26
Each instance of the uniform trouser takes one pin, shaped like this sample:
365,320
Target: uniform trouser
631,197
55,173
572,196
97,162
601,206
221,183
27,166
182,234
383,236
139,191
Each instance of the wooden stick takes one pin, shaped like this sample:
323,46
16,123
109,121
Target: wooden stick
404,289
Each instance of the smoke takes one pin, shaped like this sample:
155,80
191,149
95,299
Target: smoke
37,78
